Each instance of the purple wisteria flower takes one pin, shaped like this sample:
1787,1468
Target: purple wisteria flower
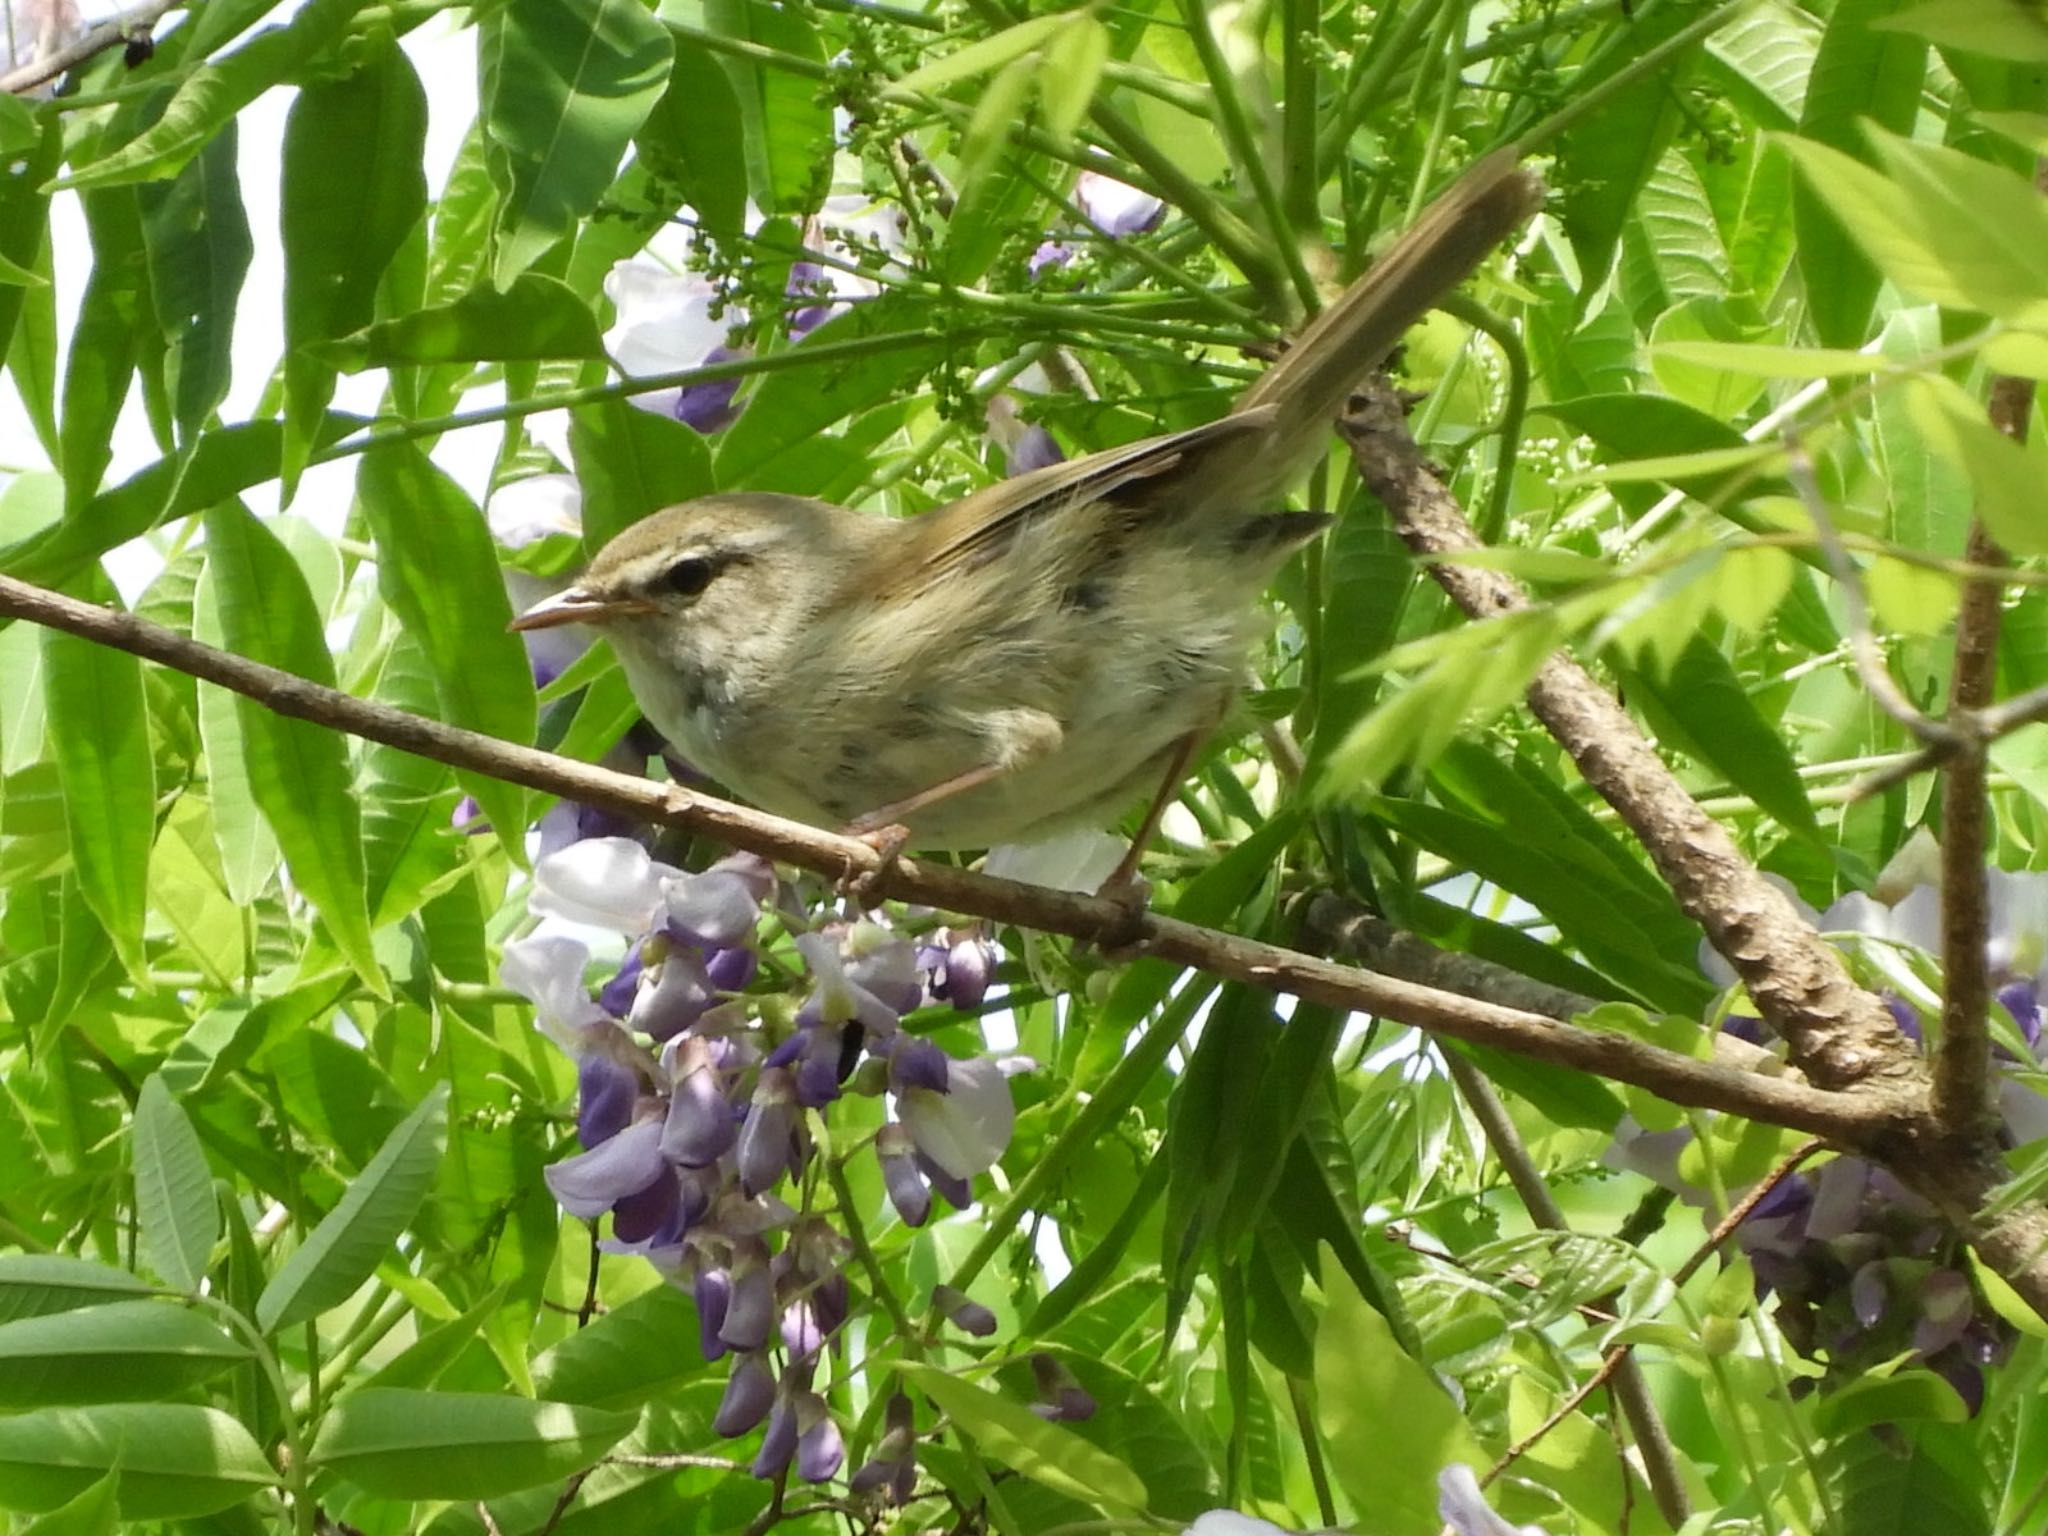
1860,1269
666,324
851,228
892,1470
1113,209
697,1108
1465,1510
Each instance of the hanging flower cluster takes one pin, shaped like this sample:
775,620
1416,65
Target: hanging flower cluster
1861,1269
695,1104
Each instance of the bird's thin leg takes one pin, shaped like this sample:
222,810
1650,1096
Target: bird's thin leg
882,829
1123,883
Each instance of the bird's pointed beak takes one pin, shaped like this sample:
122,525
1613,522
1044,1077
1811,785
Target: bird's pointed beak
577,606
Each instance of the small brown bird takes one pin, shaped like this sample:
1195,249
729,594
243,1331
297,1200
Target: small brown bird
1034,657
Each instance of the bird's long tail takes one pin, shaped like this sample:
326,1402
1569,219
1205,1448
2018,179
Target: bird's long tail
1307,388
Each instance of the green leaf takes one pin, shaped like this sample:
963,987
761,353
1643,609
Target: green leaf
37,1284
248,848
1008,1432
214,93
537,317
105,342
1907,1484
175,1461
357,1235
196,235
632,462
25,215
126,1351
2006,475
99,730
1859,74
1072,67
564,88
784,123
625,1357
762,450
298,771
2011,30
1770,362
438,569
353,190
94,1512
997,111
985,55
1388,1425
173,1189
402,1444
1717,722
692,141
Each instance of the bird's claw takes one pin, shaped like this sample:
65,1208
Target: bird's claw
888,840
1124,939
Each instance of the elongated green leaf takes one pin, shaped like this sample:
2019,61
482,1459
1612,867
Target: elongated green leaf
565,88
985,55
93,1512
1928,1478
1388,1425
353,190
2012,30
126,1351
214,92
438,569
99,728
298,771
2006,476
784,120
1010,1433
630,463
1859,75
37,1284
762,450
196,236
403,1444
1717,722
175,1460
692,140
621,1359
356,1236
173,1189
248,848
105,343
25,214
1072,68
537,317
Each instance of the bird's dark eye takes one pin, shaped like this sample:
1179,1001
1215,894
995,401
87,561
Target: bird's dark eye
688,576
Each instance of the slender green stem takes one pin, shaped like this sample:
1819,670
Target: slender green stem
1240,134
1389,49
1301,176
864,1255
1514,410
1650,64
295,1466
513,410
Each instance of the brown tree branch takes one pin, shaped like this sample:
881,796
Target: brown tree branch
117,33
1962,1061
1841,1036
1864,1121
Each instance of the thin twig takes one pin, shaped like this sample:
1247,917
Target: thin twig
1962,1062
117,33
1866,1121
1631,1391
1614,1358
1877,678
